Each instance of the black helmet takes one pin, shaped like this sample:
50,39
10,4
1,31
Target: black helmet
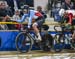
26,7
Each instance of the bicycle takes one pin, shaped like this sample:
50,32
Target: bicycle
25,40
60,37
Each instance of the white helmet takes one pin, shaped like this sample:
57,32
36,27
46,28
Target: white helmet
61,12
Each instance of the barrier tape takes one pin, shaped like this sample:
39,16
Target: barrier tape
11,23
48,23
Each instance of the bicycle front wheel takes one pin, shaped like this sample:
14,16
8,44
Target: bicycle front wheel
23,42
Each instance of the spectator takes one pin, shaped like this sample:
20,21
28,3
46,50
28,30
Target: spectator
7,9
74,2
11,5
3,16
16,16
22,2
3,13
67,5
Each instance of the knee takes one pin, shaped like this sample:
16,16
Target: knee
34,25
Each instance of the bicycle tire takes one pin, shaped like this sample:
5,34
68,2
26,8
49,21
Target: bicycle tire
58,45
23,49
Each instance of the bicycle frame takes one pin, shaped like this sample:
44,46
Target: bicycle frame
62,33
33,38
27,31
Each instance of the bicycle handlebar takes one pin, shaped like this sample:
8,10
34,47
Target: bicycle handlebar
55,28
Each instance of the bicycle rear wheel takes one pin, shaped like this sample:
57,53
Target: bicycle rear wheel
23,42
58,43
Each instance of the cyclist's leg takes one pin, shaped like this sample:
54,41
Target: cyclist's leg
35,27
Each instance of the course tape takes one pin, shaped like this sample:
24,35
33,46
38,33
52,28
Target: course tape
48,23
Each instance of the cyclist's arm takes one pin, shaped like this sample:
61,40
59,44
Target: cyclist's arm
30,21
22,19
32,13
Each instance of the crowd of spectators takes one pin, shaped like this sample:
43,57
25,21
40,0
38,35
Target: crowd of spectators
66,4
7,15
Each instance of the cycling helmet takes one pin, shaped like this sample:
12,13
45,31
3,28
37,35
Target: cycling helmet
26,7
61,12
